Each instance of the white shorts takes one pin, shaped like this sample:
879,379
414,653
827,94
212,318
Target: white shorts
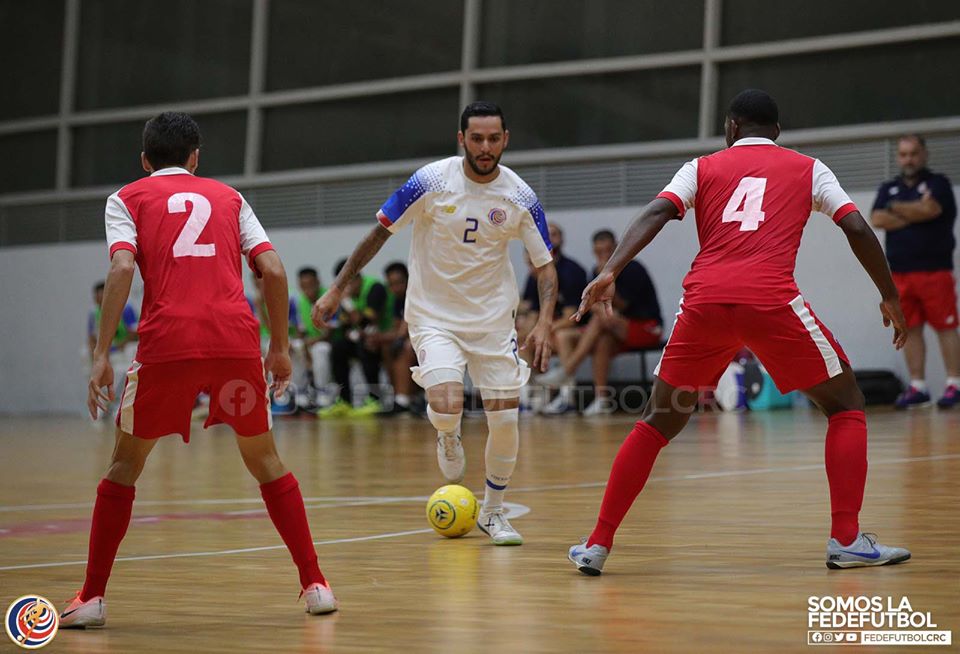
493,360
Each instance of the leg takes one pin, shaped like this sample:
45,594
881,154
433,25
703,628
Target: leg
370,362
915,352
845,450
503,442
281,493
584,345
340,354
445,411
606,348
111,513
950,349
403,360
666,414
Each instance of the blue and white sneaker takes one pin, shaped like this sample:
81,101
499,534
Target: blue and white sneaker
589,560
912,399
864,551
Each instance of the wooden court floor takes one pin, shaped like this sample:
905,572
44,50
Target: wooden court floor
720,553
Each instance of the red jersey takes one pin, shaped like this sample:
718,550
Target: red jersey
752,202
189,235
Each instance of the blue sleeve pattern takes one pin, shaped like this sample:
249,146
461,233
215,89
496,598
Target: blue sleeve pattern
427,179
524,197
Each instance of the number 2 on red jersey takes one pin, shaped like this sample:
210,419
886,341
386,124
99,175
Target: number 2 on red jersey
186,244
749,195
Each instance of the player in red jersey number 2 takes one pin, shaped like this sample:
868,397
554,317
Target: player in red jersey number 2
189,235
752,201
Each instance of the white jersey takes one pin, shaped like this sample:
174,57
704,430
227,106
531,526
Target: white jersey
461,278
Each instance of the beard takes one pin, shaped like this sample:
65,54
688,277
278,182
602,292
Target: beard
476,166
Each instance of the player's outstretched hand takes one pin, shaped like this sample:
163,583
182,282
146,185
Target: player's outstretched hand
893,315
101,375
540,339
278,365
599,291
326,308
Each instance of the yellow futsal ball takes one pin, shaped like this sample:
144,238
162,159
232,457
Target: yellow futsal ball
452,511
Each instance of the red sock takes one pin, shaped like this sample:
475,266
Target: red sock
285,506
846,462
631,467
111,517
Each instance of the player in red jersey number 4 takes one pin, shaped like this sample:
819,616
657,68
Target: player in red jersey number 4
189,235
752,201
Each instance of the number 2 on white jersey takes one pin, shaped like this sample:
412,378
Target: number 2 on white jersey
186,244
749,193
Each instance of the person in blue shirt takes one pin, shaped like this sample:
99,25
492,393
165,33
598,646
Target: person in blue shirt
917,209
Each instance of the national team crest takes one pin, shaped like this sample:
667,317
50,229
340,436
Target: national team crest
31,622
497,216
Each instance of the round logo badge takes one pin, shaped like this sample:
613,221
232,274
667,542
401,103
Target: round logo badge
238,397
497,216
31,622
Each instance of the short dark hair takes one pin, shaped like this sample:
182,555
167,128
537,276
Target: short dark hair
481,108
754,107
604,235
99,286
169,138
307,270
397,267
340,264
914,137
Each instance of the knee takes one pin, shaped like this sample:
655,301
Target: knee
443,419
124,472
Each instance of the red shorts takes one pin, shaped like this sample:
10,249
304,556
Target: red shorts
158,398
795,347
642,333
928,297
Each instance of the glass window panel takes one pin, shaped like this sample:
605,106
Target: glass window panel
863,85
376,128
28,162
318,42
134,53
645,105
31,46
110,154
755,21
534,31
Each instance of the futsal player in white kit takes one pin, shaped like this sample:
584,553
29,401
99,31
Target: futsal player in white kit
462,295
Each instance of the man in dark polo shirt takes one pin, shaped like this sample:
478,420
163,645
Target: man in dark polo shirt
917,209
636,323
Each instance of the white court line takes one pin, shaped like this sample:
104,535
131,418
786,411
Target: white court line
363,500
523,510
514,510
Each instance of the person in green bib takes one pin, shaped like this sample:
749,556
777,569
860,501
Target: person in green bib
126,333
313,351
364,314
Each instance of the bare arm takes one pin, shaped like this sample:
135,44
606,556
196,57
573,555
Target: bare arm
277,304
883,219
867,249
326,306
115,295
540,336
641,231
918,211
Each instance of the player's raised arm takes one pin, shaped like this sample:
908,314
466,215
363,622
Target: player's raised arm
641,231
367,249
115,294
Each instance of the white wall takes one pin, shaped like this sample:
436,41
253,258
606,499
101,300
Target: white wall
46,294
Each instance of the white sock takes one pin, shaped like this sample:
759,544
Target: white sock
501,455
919,385
401,400
953,381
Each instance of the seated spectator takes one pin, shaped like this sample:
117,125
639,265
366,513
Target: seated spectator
364,314
398,353
260,311
636,324
312,349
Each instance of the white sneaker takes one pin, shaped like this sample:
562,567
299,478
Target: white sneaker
600,407
450,456
555,377
320,599
80,615
558,405
495,525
